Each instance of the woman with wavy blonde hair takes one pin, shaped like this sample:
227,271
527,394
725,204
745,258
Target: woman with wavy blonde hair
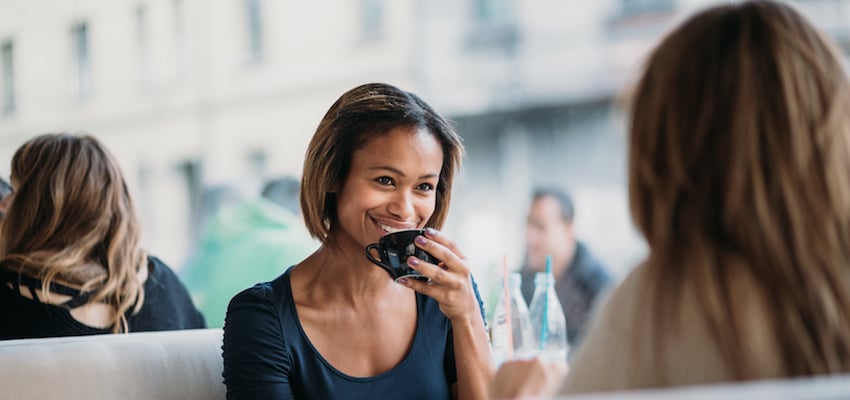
71,260
739,179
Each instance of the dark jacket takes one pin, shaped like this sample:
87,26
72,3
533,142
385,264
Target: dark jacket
578,289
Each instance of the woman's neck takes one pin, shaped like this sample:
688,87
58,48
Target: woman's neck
343,272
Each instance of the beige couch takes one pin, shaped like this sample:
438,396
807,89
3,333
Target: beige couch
187,365
182,365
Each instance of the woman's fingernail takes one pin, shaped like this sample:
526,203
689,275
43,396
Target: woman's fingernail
430,231
421,240
402,281
413,261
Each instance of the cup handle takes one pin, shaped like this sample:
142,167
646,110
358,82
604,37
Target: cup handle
374,246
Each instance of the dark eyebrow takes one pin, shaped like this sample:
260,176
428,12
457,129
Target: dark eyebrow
398,172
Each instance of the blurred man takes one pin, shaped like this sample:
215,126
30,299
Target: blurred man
579,277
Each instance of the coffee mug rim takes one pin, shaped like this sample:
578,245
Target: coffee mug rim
417,276
420,231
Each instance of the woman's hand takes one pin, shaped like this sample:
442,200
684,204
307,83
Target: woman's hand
451,284
520,379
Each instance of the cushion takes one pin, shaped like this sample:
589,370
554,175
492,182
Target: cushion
181,365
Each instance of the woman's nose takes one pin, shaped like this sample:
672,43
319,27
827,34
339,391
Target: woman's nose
401,205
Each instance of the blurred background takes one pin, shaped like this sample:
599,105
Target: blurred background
204,99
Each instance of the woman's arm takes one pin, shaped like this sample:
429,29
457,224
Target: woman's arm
472,358
451,286
256,363
520,379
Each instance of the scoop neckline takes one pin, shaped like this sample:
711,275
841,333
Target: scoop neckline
323,360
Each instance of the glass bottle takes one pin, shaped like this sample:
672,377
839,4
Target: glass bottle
548,324
514,339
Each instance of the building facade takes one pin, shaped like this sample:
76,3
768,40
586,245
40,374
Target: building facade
194,93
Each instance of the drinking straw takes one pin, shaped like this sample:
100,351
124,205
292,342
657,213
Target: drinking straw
545,331
507,296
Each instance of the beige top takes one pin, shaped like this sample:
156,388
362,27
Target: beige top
616,353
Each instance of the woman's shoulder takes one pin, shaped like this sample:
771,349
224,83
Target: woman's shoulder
264,294
609,355
255,319
158,270
627,296
167,303
162,279
628,348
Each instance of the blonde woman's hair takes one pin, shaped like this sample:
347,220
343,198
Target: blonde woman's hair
359,115
740,164
71,220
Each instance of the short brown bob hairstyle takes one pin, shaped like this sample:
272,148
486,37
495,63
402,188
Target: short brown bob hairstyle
359,115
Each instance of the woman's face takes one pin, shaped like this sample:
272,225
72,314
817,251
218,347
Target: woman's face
391,186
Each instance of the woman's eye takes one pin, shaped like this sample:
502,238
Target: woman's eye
425,187
384,180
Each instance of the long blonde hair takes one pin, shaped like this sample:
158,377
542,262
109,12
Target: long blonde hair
71,220
740,164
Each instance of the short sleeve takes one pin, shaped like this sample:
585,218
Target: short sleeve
480,302
256,362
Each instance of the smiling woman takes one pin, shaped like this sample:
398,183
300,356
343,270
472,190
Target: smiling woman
390,186
362,114
335,325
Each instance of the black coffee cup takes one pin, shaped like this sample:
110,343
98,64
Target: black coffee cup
393,250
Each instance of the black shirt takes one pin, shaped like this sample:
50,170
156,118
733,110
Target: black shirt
166,306
267,354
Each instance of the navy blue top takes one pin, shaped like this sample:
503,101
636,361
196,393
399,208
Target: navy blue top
267,355
167,306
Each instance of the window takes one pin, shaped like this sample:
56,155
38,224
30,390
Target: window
8,83
631,7
494,26
253,11
190,172
257,162
180,45
142,44
493,12
82,62
371,20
